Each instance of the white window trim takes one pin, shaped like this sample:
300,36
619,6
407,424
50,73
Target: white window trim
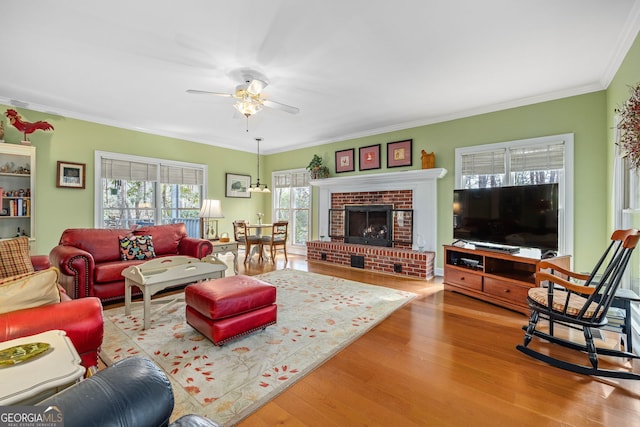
565,189
297,249
98,155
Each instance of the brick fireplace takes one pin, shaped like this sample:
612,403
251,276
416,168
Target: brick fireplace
414,189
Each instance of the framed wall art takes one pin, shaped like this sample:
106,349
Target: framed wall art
345,160
370,157
70,175
399,153
238,185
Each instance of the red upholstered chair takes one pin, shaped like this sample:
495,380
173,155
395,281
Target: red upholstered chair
81,319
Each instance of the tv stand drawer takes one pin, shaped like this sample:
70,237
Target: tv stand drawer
505,290
463,278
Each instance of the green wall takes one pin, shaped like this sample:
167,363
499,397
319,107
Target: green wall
76,141
628,75
584,116
589,117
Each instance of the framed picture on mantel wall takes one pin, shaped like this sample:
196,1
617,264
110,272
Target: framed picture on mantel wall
399,153
370,157
345,160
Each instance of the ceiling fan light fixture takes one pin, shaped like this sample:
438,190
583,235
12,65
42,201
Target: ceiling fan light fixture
247,107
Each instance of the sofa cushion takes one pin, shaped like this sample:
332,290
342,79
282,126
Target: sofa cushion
138,247
166,237
101,243
107,272
14,257
29,290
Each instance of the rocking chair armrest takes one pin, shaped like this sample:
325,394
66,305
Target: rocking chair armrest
574,287
560,270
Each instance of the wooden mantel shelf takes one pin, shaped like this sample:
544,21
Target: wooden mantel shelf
406,177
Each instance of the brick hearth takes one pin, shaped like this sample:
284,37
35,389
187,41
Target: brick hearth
380,259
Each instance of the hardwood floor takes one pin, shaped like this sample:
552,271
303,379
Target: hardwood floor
443,360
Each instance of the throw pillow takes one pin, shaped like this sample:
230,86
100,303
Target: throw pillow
135,247
14,257
29,290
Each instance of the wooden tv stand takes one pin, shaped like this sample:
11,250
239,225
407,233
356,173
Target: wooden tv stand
496,277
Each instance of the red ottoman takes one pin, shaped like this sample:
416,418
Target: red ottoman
228,308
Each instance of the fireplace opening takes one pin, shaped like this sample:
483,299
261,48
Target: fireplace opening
369,225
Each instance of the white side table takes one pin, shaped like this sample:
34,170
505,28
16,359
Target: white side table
220,248
31,381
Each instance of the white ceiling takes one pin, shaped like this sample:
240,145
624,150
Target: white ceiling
353,67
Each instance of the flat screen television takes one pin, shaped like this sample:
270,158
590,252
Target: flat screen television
518,216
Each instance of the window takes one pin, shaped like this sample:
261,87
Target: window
627,215
524,162
146,191
292,202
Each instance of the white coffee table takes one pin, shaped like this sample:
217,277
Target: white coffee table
161,273
33,380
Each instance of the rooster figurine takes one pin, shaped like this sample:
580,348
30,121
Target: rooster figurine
26,127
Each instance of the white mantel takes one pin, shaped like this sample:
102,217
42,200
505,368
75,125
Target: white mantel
423,182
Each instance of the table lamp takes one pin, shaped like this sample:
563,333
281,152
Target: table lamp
210,212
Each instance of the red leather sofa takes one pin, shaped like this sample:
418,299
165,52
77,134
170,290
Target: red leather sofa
90,262
82,320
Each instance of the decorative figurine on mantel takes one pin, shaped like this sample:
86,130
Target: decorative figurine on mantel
428,160
25,127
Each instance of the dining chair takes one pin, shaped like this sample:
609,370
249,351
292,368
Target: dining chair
244,238
277,239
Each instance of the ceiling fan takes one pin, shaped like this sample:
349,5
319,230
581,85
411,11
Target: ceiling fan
249,98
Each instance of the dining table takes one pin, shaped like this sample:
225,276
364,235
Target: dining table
258,228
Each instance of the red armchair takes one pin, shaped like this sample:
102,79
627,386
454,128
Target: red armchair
82,320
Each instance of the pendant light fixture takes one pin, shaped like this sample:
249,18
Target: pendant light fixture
257,187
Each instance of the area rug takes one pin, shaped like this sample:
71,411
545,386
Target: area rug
317,317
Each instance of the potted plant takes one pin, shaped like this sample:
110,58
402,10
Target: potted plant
317,169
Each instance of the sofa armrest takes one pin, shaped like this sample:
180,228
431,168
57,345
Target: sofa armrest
197,248
131,392
40,262
81,319
76,269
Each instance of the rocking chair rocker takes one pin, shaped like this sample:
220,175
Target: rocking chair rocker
580,306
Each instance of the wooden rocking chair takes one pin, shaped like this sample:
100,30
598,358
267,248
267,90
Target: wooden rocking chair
581,305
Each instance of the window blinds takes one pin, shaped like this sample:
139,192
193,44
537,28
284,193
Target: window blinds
181,175
484,163
291,179
547,157
127,170
137,171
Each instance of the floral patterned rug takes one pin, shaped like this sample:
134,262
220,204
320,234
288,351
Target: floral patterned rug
317,317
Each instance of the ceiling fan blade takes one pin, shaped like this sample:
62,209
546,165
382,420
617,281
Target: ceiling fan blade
256,86
280,106
205,92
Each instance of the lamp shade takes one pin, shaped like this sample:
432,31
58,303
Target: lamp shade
211,209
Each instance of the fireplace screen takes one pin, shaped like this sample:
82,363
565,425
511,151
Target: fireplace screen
376,225
369,225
